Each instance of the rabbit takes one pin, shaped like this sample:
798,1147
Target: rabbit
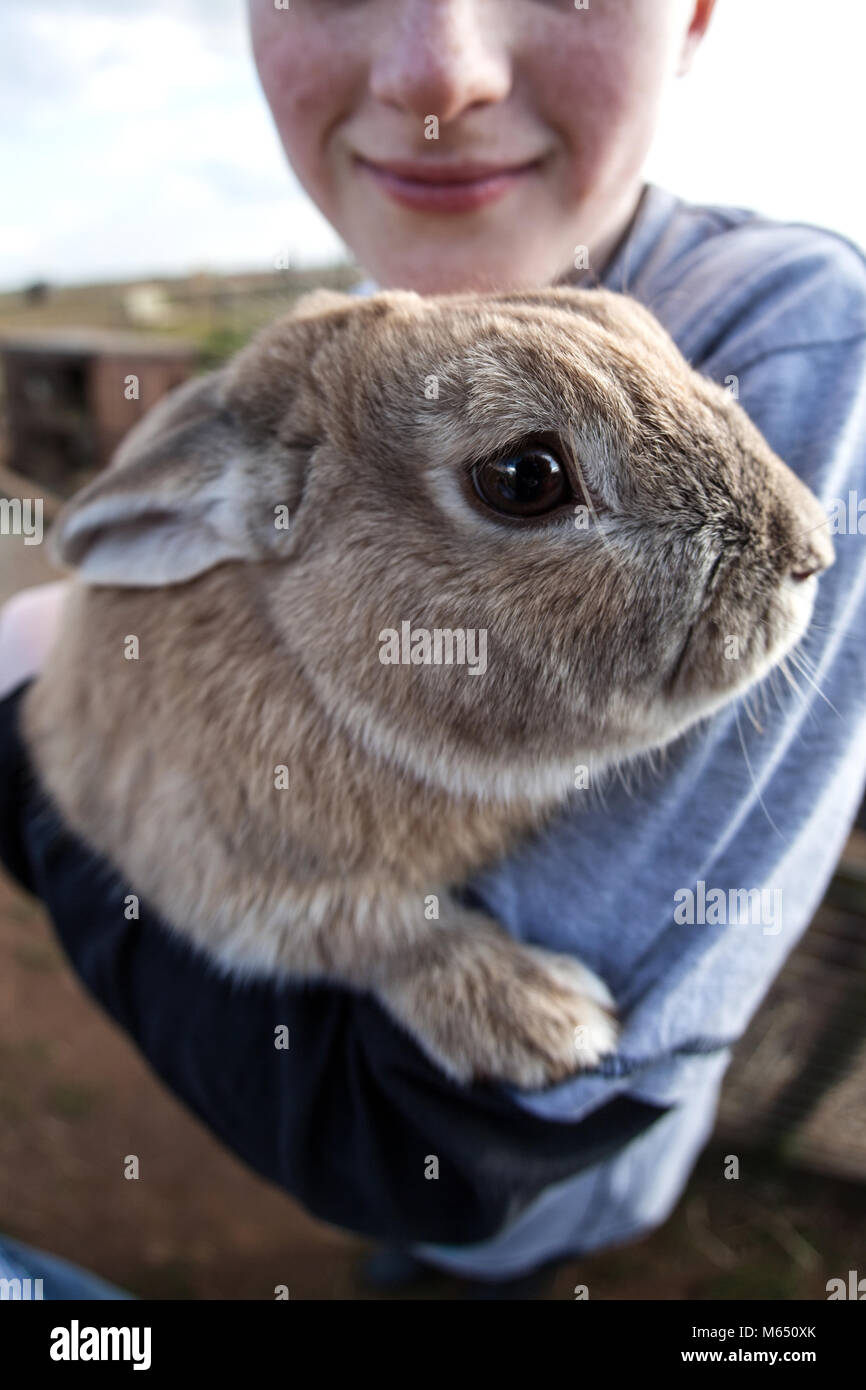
232,714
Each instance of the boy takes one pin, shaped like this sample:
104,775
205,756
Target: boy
461,144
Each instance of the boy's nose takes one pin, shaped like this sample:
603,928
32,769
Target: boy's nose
440,61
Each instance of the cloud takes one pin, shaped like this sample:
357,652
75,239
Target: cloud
135,139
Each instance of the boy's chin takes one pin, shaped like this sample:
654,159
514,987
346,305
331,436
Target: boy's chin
450,259
445,273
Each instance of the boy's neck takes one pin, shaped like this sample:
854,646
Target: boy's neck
606,246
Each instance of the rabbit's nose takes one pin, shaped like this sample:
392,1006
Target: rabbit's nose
802,574
814,552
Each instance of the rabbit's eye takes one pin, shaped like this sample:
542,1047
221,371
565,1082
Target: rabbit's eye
527,483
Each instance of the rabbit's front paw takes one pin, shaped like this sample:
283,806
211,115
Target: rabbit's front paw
494,1010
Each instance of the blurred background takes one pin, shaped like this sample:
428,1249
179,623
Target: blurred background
150,224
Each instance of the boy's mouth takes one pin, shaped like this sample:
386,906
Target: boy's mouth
431,186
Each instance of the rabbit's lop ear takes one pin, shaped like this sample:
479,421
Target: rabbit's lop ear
169,506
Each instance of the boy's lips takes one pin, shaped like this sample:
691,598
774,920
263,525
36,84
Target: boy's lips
430,186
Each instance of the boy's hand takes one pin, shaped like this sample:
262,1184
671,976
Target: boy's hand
28,622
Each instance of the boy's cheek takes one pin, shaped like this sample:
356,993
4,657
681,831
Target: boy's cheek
303,92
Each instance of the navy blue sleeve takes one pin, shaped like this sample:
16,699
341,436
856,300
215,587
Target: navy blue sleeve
345,1118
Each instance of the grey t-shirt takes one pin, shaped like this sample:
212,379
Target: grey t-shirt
647,887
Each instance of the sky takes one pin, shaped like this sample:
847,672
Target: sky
134,139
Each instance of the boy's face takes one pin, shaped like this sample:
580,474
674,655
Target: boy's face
545,113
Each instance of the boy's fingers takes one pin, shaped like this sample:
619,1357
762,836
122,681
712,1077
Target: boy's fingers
28,622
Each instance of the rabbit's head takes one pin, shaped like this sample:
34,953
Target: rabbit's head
604,544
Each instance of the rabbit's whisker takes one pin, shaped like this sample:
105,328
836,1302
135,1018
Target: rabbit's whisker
802,662
804,672
748,761
774,550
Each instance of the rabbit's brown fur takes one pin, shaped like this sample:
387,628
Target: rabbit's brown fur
260,647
